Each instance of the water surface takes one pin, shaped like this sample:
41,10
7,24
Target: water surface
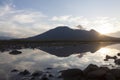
56,57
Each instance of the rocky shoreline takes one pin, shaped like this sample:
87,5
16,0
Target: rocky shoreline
91,72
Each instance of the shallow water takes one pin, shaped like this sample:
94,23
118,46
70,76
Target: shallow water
56,57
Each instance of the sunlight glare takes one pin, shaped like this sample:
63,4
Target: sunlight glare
105,28
108,51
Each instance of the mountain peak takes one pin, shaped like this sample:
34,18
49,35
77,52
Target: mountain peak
93,31
62,27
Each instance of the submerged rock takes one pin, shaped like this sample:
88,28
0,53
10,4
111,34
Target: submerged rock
118,54
117,61
110,57
25,72
50,75
49,68
14,70
37,73
15,52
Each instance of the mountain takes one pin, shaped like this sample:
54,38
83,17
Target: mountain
64,33
116,34
5,38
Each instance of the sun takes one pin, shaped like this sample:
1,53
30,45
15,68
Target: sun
105,29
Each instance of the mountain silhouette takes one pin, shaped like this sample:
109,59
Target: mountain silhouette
65,51
65,33
5,38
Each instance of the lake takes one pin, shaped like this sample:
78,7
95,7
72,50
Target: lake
52,59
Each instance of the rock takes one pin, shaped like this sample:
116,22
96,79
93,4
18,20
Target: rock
37,73
118,54
90,67
15,52
72,74
14,70
50,75
115,73
49,68
105,68
44,78
117,61
109,76
25,72
110,57
97,73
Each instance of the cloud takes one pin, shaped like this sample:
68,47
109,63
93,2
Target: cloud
26,23
21,23
61,18
111,24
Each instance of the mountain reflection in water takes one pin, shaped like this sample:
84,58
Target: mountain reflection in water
38,58
65,51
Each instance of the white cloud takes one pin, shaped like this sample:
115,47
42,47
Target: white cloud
25,23
21,23
101,24
61,18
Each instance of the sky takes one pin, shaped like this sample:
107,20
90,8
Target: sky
25,18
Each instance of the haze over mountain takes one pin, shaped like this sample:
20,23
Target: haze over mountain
5,38
66,33
116,34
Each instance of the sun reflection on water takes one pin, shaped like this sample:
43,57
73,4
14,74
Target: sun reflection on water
108,51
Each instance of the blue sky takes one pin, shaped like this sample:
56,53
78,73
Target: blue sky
30,17
72,7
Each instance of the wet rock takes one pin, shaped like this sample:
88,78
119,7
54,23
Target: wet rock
109,76
97,73
115,73
15,52
105,68
37,73
117,61
90,67
72,73
44,77
49,68
25,72
14,70
110,57
50,75
118,54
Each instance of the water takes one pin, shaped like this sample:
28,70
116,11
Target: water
56,57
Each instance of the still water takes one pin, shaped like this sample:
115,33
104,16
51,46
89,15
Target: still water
57,58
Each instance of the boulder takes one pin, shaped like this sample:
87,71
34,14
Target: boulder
117,61
15,52
14,70
50,75
25,72
37,73
44,78
118,54
109,76
115,73
71,73
90,67
100,73
110,57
